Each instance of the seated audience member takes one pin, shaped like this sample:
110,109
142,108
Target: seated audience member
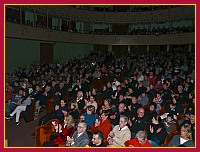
61,132
156,132
158,85
102,124
181,94
21,107
115,114
166,93
191,121
37,93
137,123
120,133
178,107
80,100
89,117
46,95
186,116
150,112
106,105
74,111
60,91
76,86
134,106
105,94
9,90
159,102
94,94
14,102
140,140
113,117
169,123
97,139
174,108
151,92
80,137
91,102
58,113
184,139
143,99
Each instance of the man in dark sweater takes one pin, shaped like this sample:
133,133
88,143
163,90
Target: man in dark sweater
137,123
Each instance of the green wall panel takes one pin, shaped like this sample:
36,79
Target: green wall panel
66,51
20,52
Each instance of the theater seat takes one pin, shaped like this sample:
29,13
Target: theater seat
50,105
42,133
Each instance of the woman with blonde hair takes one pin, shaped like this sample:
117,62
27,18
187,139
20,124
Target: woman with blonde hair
74,111
184,139
61,132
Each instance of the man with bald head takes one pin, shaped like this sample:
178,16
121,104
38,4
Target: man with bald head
138,122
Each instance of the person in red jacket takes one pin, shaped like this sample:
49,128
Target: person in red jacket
61,132
140,140
102,124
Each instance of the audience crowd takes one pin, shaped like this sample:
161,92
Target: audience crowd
129,100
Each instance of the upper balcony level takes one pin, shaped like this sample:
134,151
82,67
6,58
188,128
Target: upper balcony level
43,34
63,23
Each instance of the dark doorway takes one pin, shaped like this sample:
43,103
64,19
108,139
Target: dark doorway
46,52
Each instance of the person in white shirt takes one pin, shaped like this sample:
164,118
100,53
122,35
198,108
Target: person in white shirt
91,102
22,107
184,139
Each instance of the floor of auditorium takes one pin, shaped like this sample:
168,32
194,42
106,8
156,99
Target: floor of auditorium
21,135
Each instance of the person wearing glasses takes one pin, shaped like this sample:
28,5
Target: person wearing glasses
80,137
120,133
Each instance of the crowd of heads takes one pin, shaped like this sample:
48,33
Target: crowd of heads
132,89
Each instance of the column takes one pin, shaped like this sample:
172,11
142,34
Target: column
109,48
167,47
190,47
129,48
20,14
47,19
147,48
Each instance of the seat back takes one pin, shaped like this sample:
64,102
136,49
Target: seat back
42,133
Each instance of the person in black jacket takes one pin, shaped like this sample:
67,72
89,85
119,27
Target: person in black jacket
58,113
138,122
150,112
80,100
97,139
74,111
46,95
156,132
